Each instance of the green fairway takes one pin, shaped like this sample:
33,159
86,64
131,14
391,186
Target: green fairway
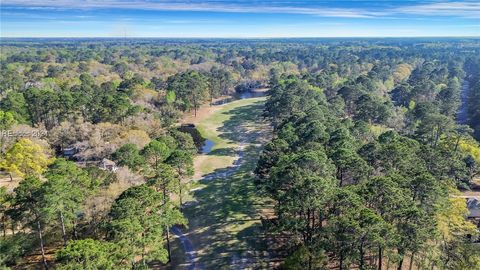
224,128
223,217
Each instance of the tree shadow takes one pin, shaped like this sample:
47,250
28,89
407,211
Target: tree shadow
225,220
239,127
223,152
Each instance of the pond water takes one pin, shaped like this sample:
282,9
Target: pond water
251,94
222,101
243,95
207,146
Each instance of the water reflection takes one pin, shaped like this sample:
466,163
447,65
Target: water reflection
251,94
207,146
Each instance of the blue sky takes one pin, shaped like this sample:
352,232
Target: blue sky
238,18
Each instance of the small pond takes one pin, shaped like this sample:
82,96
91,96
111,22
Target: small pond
251,94
207,146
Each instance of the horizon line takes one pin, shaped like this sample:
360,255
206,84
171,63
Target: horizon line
252,37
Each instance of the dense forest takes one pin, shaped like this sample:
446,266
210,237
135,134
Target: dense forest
374,143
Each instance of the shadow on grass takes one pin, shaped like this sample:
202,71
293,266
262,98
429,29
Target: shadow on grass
239,127
225,220
223,152
178,257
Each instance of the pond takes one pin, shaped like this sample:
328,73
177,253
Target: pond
252,94
207,146
203,145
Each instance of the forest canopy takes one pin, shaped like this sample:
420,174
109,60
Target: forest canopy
374,144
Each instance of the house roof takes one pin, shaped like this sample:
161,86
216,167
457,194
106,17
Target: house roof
69,151
473,205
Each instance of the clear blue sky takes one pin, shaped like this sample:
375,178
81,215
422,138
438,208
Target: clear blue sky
238,18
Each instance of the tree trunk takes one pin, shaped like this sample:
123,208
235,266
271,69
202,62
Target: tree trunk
168,245
309,228
143,249
180,191
75,232
4,225
11,178
437,136
340,176
362,255
400,264
411,261
164,191
169,251
380,258
64,233
456,144
42,248
341,262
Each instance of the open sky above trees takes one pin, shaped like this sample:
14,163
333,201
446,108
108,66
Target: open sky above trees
238,18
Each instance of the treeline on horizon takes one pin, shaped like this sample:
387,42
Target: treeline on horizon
366,160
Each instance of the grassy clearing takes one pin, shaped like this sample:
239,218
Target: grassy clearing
212,128
224,222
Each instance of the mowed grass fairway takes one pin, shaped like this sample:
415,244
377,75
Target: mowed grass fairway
223,214
224,127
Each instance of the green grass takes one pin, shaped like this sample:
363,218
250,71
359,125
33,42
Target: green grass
219,128
224,224
210,126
